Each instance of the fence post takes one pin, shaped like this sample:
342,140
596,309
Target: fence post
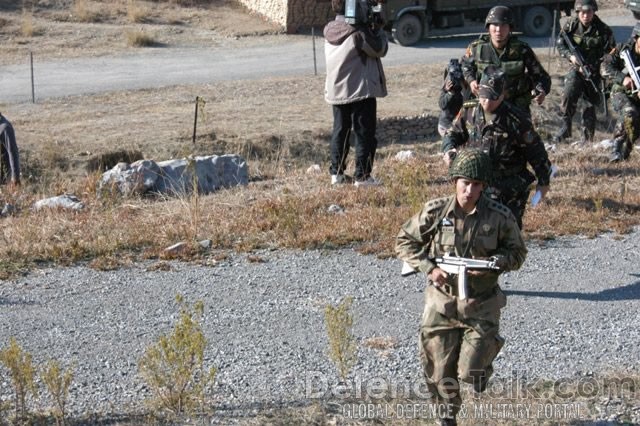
33,90
313,38
195,119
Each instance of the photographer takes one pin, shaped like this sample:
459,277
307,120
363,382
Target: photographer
451,96
355,79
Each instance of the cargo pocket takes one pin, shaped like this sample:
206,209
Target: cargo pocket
440,302
488,309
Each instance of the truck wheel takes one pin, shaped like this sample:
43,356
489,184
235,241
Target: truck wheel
636,14
537,21
407,30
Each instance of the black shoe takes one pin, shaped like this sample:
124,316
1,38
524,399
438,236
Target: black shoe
448,422
616,157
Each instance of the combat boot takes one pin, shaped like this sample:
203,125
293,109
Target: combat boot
586,136
564,132
617,156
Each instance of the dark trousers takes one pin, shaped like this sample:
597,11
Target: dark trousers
361,117
576,87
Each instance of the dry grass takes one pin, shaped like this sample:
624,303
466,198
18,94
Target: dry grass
281,136
26,26
136,13
139,39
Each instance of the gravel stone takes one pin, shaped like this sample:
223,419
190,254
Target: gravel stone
572,310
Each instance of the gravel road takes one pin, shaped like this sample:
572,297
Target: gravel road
256,58
572,311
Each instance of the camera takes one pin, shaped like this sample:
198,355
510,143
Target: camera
454,74
364,12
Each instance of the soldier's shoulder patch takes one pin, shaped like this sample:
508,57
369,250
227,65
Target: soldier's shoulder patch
436,204
499,207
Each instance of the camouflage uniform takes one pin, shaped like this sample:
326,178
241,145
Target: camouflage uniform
593,43
623,101
508,136
459,338
517,59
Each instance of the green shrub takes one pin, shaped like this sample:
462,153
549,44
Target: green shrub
57,383
173,367
342,344
22,372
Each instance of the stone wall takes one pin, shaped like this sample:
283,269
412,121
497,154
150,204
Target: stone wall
292,15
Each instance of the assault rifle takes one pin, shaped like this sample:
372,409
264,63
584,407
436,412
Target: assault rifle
625,54
584,68
457,265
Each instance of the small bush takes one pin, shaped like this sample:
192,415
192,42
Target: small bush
174,367
58,383
135,13
22,373
82,12
139,39
342,344
26,27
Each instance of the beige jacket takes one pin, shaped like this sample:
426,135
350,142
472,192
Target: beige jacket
354,68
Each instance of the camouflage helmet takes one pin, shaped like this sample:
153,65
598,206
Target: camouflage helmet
471,164
499,15
635,32
586,5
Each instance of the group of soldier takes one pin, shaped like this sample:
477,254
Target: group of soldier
597,73
490,145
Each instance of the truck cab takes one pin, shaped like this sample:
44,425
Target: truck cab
634,7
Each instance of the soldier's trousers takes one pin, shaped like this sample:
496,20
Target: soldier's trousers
458,342
627,129
576,87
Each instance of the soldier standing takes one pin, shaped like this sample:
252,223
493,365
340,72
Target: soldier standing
499,47
593,39
505,132
459,338
625,97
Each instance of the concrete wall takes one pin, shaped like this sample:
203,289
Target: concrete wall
292,15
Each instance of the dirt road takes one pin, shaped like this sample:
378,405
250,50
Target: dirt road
237,60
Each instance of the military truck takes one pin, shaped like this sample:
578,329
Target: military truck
410,20
634,7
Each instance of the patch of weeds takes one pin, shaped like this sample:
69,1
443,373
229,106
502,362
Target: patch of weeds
27,28
106,263
12,268
57,382
140,39
108,160
135,13
159,266
255,259
381,343
342,344
22,373
174,366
